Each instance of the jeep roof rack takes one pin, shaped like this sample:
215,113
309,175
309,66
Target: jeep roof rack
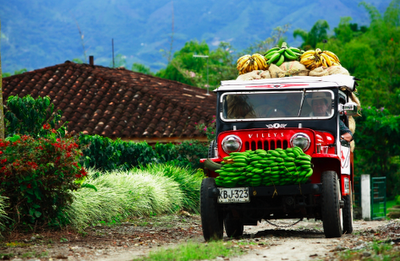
338,80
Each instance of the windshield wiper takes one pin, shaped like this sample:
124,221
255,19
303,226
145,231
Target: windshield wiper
302,102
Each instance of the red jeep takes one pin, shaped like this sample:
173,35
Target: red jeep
282,113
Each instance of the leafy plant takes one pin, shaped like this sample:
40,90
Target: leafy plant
38,175
29,116
209,130
105,154
377,148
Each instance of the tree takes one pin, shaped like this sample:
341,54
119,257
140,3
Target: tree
318,33
138,67
377,146
193,71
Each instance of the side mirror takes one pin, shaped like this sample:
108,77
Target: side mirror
351,108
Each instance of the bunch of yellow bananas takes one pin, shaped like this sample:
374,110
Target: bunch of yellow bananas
315,58
248,63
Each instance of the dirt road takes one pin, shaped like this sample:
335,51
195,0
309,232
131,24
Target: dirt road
304,241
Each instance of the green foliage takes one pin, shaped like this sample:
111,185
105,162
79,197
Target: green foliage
195,251
209,130
105,154
377,146
29,116
38,175
121,195
137,67
15,73
195,71
77,60
317,34
372,55
189,153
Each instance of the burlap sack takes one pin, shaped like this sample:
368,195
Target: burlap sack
275,71
253,75
294,68
265,75
319,71
337,70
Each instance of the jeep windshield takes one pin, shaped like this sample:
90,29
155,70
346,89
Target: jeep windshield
268,105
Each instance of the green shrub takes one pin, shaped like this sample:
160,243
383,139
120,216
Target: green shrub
190,153
106,155
38,175
120,195
29,116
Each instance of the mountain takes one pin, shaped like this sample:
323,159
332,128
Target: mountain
41,33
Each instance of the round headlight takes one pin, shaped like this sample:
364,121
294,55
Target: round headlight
300,140
231,143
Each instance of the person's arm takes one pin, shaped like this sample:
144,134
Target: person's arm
345,133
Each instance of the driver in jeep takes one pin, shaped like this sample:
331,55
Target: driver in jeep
319,104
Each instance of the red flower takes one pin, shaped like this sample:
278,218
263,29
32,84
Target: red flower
29,186
83,172
46,126
3,161
1,152
78,176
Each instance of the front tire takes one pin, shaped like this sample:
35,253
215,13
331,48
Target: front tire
330,209
211,213
348,213
233,226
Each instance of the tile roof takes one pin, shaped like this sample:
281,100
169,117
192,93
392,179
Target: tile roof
118,103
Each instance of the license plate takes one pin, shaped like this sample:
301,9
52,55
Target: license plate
233,195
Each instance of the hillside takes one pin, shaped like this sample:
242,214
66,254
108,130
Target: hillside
36,34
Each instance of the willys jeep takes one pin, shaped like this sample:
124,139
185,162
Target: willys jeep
277,114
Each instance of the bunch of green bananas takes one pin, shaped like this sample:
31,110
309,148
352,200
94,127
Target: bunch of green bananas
279,55
273,167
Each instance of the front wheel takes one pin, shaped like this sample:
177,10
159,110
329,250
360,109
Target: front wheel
211,213
348,213
330,209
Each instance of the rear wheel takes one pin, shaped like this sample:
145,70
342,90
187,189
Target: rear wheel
348,213
233,225
331,211
211,214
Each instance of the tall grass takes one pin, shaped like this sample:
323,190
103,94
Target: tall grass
189,181
3,214
122,194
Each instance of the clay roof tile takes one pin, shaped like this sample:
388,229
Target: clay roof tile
116,102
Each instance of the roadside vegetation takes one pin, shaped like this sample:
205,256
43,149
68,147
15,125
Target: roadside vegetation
374,251
195,251
115,196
